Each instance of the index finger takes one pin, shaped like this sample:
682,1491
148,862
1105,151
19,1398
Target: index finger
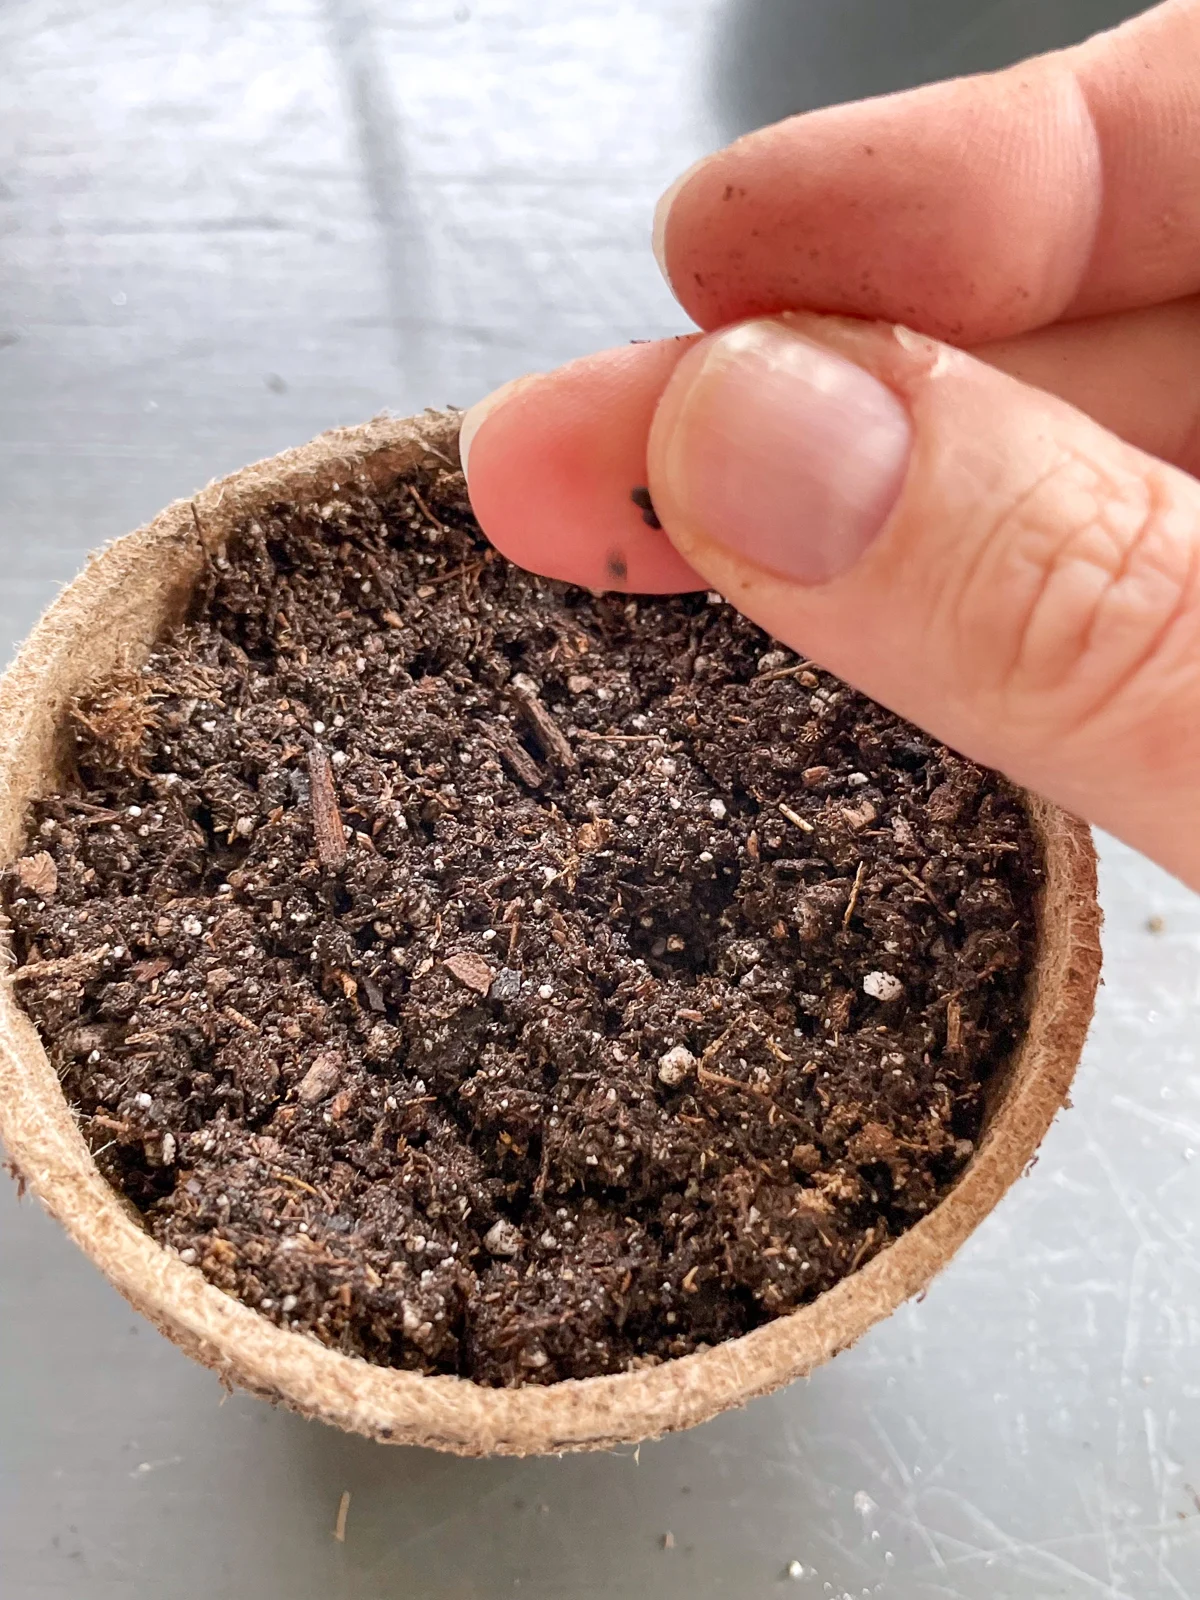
971,210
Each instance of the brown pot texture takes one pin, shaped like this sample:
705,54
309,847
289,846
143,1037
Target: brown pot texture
113,612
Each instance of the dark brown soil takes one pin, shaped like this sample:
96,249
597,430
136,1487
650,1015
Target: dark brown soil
492,978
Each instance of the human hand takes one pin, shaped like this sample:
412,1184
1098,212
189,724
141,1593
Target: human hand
1003,546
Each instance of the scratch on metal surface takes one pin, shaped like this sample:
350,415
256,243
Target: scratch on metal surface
912,1496
1026,1551
1101,1519
932,1475
1157,1119
1063,1180
1157,1477
1176,1586
1168,1532
1133,1324
1181,1174
1022,1427
1138,1214
1166,1464
1128,1209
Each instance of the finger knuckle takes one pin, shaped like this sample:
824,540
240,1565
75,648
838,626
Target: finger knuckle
1080,587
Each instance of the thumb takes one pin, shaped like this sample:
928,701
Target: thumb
976,554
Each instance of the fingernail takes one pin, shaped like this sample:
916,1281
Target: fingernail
477,415
658,237
785,453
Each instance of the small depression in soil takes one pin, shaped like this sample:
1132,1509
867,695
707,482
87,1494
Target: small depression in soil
487,977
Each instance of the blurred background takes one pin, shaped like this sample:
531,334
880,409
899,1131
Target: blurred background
225,227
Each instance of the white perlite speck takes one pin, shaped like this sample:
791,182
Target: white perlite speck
674,1066
882,986
716,810
502,1238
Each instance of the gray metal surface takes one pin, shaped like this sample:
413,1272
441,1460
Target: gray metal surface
224,227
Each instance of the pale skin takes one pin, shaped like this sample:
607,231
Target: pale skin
1002,545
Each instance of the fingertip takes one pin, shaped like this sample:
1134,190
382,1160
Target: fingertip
662,213
554,460
475,417
912,207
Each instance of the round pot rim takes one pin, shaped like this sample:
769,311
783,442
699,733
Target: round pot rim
112,612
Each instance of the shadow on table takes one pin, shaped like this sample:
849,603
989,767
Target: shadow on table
719,1510
424,1524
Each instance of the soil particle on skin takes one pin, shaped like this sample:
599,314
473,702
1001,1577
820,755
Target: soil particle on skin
641,499
489,977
